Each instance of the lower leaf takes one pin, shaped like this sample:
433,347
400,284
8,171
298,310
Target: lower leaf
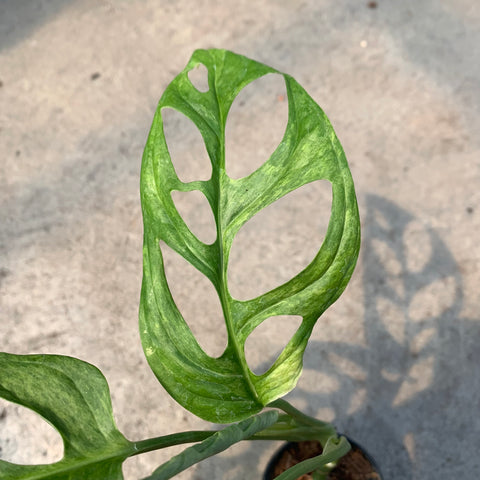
74,397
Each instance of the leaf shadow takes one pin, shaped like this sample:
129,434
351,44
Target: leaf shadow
409,392
21,18
414,395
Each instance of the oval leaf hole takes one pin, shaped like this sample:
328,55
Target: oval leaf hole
434,299
280,241
418,246
266,342
197,301
393,319
196,213
419,379
26,438
386,257
198,77
186,147
256,124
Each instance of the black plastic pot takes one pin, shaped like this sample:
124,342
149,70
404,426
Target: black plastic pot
292,446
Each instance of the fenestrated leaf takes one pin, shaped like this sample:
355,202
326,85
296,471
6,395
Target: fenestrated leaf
224,389
74,397
217,443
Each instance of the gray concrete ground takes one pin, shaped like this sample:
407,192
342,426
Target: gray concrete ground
395,363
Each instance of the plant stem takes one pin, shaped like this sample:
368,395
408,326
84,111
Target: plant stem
293,434
320,464
158,443
294,426
299,416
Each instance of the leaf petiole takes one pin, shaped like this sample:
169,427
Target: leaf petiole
157,443
333,451
299,416
286,428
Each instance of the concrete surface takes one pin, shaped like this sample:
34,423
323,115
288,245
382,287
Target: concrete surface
395,363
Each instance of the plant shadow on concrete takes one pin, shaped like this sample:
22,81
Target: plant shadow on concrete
26,18
413,381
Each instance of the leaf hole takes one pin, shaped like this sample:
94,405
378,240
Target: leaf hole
26,438
256,124
198,77
279,241
264,345
196,213
382,221
432,300
358,400
393,319
423,340
386,257
186,147
418,379
330,382
418,246
347,367
197,300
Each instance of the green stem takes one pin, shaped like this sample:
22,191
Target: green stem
299,416
276,432
293,426
320,464
157,443
298,434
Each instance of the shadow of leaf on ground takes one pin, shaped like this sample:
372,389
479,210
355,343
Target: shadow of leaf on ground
406,394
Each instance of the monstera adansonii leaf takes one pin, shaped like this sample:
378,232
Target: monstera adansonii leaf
224,389
74,397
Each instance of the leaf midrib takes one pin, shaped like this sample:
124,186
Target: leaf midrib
223,289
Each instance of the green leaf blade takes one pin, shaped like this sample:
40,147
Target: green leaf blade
74,397
224,389
107,469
